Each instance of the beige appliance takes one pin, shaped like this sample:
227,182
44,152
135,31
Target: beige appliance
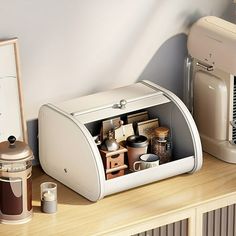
212,86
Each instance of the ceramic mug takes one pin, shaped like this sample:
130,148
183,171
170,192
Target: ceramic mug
146,161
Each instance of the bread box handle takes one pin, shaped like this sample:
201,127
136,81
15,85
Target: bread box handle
121,105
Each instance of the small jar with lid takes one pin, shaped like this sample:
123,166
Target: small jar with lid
161,144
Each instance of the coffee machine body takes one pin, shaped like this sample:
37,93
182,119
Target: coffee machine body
212,86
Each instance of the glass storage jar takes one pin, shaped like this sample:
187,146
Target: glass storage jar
161,144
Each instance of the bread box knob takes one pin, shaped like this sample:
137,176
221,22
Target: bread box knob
123,102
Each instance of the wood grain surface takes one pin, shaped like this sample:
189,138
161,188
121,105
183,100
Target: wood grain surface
78,216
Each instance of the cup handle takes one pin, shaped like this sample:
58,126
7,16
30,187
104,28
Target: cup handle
135,165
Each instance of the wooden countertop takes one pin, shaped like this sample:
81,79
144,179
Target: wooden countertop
78,216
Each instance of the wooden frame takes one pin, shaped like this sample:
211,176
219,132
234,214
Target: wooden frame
147,127
14,42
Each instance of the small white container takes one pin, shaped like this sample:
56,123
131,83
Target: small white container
48,192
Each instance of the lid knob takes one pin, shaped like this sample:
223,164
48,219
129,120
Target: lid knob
123,102
12,140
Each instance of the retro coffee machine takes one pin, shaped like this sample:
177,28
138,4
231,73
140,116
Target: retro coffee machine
210,87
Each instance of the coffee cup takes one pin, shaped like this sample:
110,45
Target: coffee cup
136,145
146,161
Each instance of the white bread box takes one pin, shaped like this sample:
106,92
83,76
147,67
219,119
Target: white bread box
68,152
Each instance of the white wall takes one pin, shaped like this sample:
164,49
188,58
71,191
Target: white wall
76,47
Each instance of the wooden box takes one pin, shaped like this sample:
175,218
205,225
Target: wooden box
113,162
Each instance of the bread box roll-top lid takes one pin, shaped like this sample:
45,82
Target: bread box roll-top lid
14,151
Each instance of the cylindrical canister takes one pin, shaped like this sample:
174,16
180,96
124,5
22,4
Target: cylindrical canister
48,197
15,182
137,145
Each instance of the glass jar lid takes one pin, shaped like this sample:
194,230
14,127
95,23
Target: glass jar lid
13,150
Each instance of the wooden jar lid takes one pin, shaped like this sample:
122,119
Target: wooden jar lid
162,132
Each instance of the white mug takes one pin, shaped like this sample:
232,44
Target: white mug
146,161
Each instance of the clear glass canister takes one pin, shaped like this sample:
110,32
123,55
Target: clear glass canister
161,144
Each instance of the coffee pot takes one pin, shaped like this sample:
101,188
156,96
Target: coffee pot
15,182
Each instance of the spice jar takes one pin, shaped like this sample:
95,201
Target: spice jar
161,145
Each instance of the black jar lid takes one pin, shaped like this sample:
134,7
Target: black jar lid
13,150
137,141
